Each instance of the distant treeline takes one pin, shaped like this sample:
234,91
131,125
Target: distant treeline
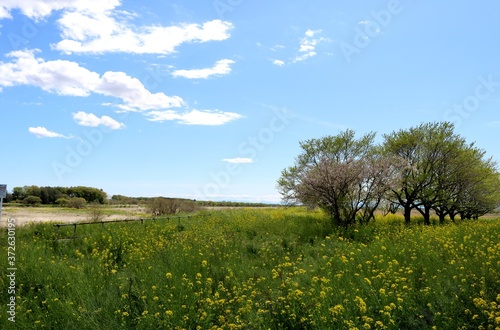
33,195
233,204
120,199
55,195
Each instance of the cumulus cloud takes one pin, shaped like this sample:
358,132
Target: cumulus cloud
99,27
42,132
60,77
221,67
91,120
133,92
103,33
238,160
194,117
69,78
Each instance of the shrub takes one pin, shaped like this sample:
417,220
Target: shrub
162,206
96,213
62,201
77,202
32,200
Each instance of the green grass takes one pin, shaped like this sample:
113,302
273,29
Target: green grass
256,269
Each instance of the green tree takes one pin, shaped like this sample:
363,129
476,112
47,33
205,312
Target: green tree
49,195
19,193
33,191
407,145
91,195
480,189
442,172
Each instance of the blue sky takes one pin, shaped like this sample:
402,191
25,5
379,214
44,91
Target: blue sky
210,99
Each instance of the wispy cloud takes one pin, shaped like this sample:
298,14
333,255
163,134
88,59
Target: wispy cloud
194,117
91,120
307,47
278,62
221,67
42,132
239,160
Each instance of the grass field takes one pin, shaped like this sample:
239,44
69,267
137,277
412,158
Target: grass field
255,269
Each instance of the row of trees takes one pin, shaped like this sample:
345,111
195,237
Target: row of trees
56,195
425,168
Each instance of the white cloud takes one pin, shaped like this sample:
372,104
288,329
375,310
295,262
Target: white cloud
98,27
239,160
42,132
221,67
133,92
91,120
308,45
194,117
69,78
39,9
60,77
103,33
278,62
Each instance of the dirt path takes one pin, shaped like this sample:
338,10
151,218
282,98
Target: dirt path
24,215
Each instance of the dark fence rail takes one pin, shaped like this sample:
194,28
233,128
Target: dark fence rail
142,220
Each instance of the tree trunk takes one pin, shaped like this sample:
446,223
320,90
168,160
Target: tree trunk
407,213
452,216
427,215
